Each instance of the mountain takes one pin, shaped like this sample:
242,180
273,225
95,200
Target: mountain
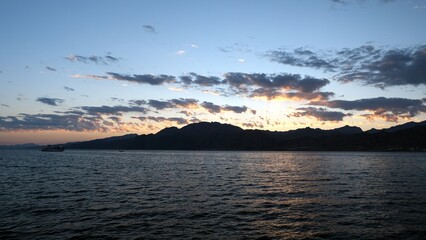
218,136
399,127
20,146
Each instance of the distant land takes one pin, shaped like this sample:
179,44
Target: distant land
217,136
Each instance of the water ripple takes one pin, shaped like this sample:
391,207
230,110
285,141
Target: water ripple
212,195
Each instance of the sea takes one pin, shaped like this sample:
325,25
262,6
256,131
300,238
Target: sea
79,194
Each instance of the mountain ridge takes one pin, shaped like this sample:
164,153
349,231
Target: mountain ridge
222,136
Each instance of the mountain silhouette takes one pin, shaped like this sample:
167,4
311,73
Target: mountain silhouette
219,136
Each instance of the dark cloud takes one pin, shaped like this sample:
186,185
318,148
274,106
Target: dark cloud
137,102
117,99
149,28
144,78
243,81
186,113
69,89
320,114
253,125
235,109
246,84
106,60
390,109
115,119
173,103
160,105
110,58
367,64
5,105
51,69
193,78
70,122
177,120
213,108
50,101
301,58
189,103
390,68
309,96
276,86
185,102
112,110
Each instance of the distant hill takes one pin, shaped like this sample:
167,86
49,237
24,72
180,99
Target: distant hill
20,146
218,136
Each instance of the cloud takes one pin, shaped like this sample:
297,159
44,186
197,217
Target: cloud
106,60
112,110
177,120
389,68
145,78
320,114
69,89
137,102
390,109
193,78
213,108
51,69
241,60
271,94
117,99
50,101
194,45
70,122
275,81
149,29
185,102
5,105
367,64
135,78
189,103
277,86
252,125
160,105
301,58
84,118
235,109
270,86
186,113
110,58
181,52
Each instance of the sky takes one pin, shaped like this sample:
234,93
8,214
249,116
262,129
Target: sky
80,70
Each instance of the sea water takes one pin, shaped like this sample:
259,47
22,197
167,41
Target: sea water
211,195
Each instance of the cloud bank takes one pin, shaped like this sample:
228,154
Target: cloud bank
379,67
389,109
261,85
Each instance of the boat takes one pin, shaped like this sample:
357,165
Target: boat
53,148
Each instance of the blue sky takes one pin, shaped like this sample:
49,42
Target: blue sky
76,70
